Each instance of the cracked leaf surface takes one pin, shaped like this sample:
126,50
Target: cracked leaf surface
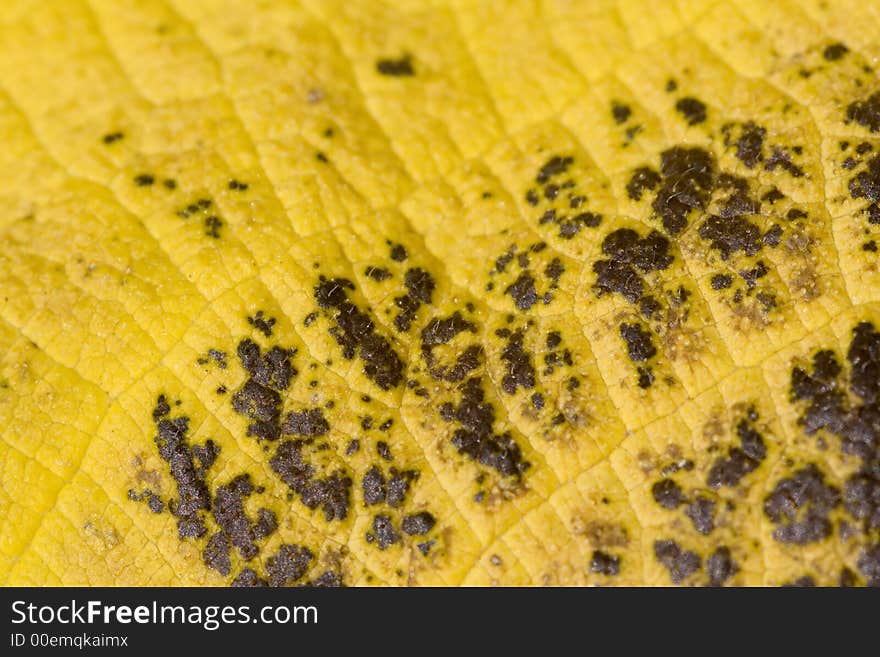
439,292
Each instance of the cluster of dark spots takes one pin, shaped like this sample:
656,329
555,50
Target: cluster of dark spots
702,514
643,178
829,407
260,399
806,581
476,437
237,185
215,355
383,534
628,254
869,565
639,345
692,109
383,450
729,235
112,137
420,287
562,202
835,51
519,369
800,505
688,180
144,179
870,246
865,112
604,563
213,224
309,422
668,494
398,252
331,493
374,486
418,524
153,501
355,332
378,274
742,460
720,566
262,323
288,565
523,291
721,281
749,144
236,529
221,390
681,564
621,112
557,356
188,466
399,67
866,185
751,276
780,158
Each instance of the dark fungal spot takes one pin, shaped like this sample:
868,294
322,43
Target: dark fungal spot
262,323
671,85
772,195
330,493
742,460
374,486
640,346
398,252
866,184
779,158
112,137
869,565
476,437
680,563
866,112
520,371
308,422
751,276
355,333
248,578
731,234
702,514
668,494
721,281
144,179
628,255
353,447
288,565
750,144
192,492
398,486
236,529
420,286
621,112
693,110
720,566
383,450
799,505
643,178
418,524
523,291
553,167
237,185
688,180
154,502
807,581
870,246
834,52
773,236
383,531
604,563
321,157
378,274
213,224
400,67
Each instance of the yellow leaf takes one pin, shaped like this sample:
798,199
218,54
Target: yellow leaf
439,292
